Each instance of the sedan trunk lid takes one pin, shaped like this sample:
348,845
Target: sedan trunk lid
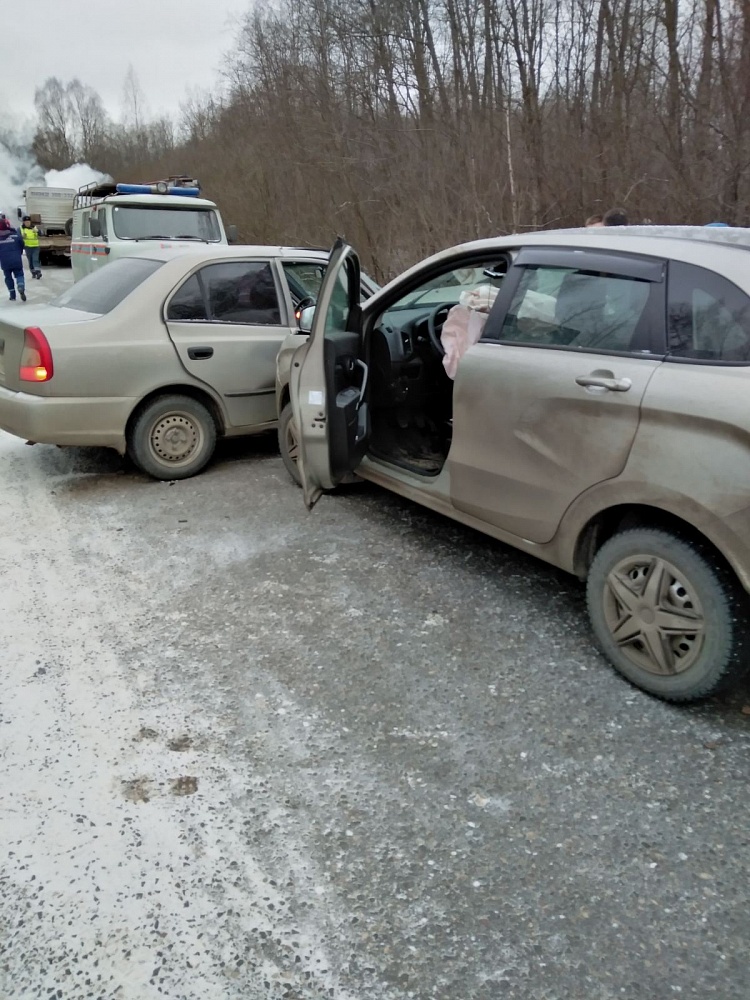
13,322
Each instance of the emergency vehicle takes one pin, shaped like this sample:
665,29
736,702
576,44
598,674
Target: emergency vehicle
112,220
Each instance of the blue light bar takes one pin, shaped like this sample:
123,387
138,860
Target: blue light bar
133,189
186,192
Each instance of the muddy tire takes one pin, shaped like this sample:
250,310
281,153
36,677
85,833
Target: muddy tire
172,437
665,615
288,443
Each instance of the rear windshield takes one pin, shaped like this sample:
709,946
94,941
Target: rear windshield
101,291
136,222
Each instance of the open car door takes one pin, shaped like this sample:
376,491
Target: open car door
329,380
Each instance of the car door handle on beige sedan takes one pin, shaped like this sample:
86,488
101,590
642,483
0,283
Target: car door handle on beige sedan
597,381
200,353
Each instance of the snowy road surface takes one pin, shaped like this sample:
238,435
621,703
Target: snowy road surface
359,754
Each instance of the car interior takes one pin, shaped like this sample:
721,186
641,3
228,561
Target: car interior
411,392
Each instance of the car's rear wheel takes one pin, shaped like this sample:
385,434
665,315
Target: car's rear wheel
289,443
173,437
665,614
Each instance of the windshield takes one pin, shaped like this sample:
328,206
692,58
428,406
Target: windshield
445,289
139,222
101,291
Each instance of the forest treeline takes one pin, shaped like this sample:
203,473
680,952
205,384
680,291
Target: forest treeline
410,125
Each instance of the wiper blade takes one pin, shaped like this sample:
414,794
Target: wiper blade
160,236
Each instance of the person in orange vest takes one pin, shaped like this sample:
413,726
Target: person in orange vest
31,245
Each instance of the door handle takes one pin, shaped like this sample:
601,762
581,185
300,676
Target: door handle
600,382
365,371
200,353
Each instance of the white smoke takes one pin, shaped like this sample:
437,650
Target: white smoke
74,176
19,169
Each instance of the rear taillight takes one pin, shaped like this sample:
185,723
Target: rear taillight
36,357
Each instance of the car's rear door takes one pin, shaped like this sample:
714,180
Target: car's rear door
227,321
548,403
329,380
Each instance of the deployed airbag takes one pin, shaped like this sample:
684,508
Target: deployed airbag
465,323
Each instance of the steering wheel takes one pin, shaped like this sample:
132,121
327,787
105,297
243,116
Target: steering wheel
433,322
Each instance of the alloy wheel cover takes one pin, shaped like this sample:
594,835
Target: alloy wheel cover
654,614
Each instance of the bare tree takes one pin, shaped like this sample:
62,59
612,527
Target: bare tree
134,111
409,125
56,140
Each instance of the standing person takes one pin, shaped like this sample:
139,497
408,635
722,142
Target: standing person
11,260
30,236
615,217
594,221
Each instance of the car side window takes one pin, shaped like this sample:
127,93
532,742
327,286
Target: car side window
709,317
187,304
338,308
565,307
304,279
242,292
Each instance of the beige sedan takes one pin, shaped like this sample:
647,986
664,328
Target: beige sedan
598,420
158,355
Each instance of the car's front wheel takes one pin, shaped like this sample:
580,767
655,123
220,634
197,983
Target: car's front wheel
289,443
172,437
665,615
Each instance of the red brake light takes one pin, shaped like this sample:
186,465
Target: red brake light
36,357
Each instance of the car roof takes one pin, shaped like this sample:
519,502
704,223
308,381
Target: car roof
658,240
204,252
730,235
151,201
721,249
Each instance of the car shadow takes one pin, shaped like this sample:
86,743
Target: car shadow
79,469
246,449
69,463
555,589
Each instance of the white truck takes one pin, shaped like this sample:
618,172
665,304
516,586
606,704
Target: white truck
113,220
51,210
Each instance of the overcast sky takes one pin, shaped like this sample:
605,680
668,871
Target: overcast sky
173,45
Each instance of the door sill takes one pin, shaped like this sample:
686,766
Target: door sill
424,468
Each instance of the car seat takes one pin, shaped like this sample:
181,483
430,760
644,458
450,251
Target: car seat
579,309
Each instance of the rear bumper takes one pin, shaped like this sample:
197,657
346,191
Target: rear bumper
83,421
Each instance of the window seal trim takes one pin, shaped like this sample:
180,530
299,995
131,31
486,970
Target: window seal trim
712,362
638,355
618,263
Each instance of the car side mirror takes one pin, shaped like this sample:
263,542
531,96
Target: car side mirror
306,319
232,236
95,228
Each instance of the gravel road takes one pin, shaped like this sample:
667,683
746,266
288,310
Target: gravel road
357,754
